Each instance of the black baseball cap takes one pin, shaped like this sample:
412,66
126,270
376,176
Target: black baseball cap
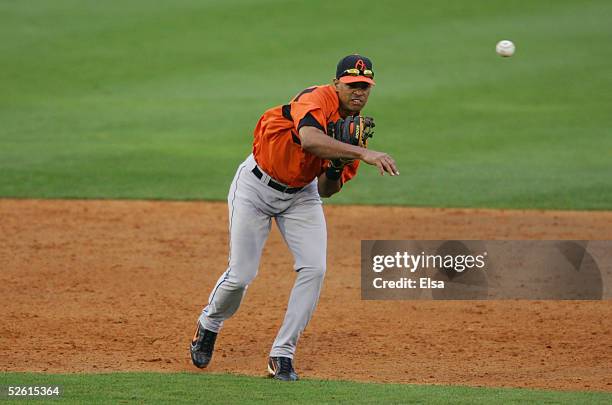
355,68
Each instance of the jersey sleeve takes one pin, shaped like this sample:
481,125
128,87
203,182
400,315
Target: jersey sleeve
310,121
350,171
311,107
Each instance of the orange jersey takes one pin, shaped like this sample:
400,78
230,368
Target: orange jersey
277,148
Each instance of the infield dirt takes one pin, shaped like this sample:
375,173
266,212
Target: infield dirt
100,286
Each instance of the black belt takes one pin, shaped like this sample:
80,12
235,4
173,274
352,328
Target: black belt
274,184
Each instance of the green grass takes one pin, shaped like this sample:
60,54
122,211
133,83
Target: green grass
144,99
230,389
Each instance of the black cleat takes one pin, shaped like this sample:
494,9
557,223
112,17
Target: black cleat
281,368
202,346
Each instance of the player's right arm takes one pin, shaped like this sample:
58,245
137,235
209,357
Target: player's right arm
315,141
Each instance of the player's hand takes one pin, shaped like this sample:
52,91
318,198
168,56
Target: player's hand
382,160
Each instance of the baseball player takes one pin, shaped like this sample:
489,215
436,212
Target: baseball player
302,151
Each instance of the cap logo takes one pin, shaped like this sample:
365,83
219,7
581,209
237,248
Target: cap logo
360,64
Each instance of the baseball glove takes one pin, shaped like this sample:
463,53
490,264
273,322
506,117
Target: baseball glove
352,130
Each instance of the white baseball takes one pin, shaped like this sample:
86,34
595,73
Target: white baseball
505,48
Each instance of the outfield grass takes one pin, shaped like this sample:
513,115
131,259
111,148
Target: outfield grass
229,389
139,99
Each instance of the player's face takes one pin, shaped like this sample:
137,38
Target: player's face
353,96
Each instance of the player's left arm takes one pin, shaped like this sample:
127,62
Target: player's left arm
327,186
336,174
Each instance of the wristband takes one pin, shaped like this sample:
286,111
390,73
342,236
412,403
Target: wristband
334,173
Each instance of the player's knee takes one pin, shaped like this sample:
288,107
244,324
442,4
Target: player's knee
314,270
242,279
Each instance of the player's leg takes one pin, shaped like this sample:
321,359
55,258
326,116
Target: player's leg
304,230
249,228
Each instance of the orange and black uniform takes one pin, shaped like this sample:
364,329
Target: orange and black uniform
277,148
